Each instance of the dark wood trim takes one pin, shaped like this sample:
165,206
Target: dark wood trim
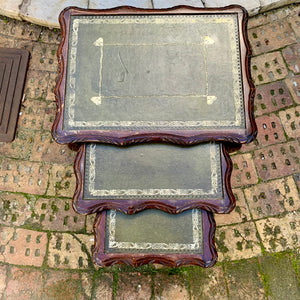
207,259
223,205
187,137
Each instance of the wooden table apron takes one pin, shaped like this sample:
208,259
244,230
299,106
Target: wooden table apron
121,135
223,205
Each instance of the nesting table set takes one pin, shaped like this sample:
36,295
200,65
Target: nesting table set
155,101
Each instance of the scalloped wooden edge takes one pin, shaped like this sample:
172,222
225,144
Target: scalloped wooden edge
207,259
224,205
125,137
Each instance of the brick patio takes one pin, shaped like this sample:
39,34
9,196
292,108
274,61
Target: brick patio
46,248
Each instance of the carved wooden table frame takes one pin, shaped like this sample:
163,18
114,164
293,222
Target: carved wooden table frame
220,205
207,259
174,134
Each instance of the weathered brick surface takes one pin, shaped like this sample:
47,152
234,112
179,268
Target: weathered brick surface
271,16
50,111
87,241
270,132
170,287
297,180
270,37
24,284
33,114
243,172
277,160
20,148
23,176
66,252
19,30
273,198
268,67
207,283
90,219
103,287
44,57
15,209
271,97
237,241
290,118
50,36
293,84
239,285
279,234
22,247
46,150
3,273
292,56
36,85
62,285
134,286
294,20
51,86
239,214
62,181
57,215
282,281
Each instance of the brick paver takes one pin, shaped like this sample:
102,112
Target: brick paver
170,287
271,97
292,56
237,241
279,234
45,149
66,252
3,273
268,67
273,197
45,247
24,283
283,279
21,147
23,176
243,172
270,37
277,160
34,114
290,118
239,285
293,84
22,247
270,132
208,282
134,286
239,214
103,287
57,215
15,209
62,181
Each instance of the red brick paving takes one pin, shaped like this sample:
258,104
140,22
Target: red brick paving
277,160
270,37
244,171
294,86
271,97
291,55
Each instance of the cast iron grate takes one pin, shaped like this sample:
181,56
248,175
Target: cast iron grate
13,67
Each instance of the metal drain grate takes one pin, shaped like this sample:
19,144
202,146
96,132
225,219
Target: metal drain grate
13,66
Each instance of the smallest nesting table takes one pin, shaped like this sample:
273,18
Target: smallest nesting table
153,236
